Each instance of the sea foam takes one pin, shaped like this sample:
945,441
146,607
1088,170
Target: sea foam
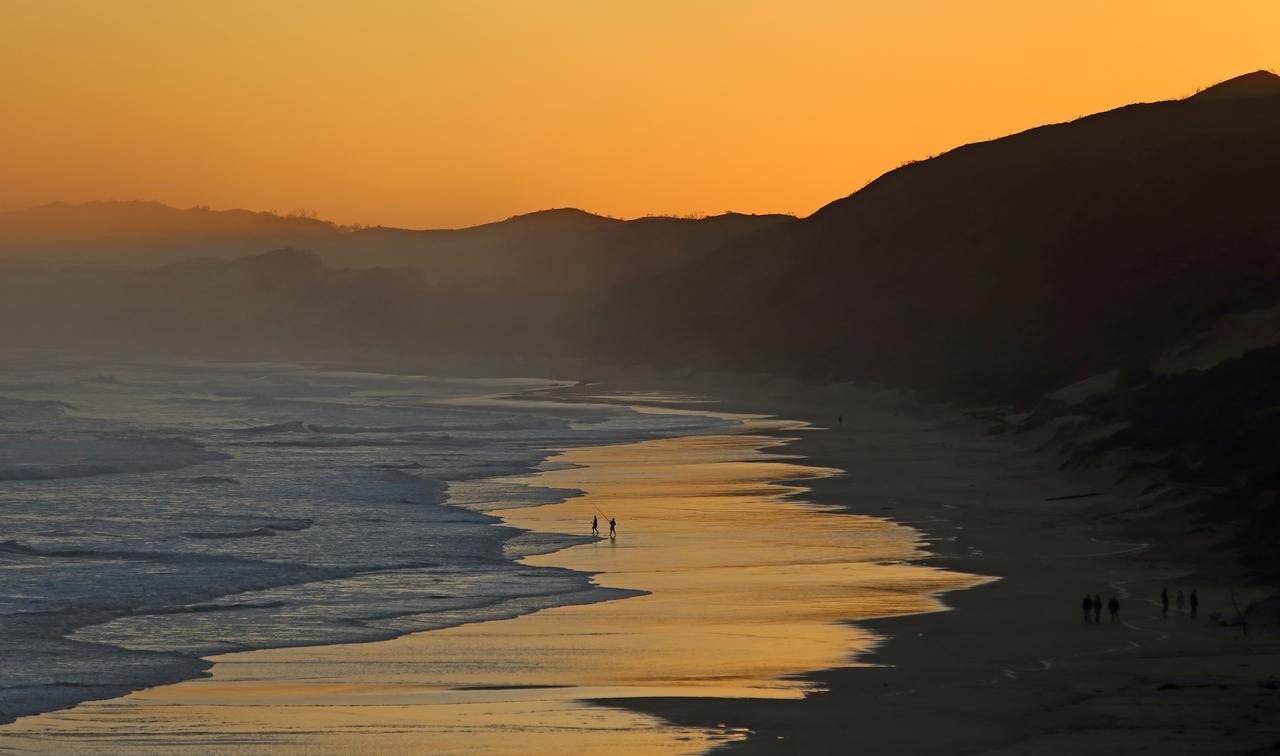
180,510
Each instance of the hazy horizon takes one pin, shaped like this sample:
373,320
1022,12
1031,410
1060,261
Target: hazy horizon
309,214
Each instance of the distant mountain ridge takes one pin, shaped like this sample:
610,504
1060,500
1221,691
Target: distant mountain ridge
141,276
562,251
152,229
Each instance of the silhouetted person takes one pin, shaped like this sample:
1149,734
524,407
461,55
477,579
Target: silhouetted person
613,527
1087,606
1195,603
595,525
1181,602
1164,601
840,420
1097,609
1113,606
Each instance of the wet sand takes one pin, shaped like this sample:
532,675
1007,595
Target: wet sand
745,587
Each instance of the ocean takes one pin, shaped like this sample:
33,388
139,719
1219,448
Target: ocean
153,513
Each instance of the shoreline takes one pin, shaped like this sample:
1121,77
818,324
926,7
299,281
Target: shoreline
744,467
1013,670
64,626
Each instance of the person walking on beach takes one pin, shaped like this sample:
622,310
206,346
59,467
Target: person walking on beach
1113,606
595,525
1087,606
1195,603
840,420
1164,601
1097,609
1181,602
613,528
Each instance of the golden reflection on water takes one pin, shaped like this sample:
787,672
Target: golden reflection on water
747,588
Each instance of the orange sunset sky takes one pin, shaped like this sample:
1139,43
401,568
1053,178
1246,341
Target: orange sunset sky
430,114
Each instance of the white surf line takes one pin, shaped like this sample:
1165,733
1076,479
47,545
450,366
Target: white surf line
1049,662
1131,548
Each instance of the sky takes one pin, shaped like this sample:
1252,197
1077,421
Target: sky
445,114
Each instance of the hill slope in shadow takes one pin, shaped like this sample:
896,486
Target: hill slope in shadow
1002,268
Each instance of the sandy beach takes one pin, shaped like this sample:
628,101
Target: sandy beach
738,588
750,568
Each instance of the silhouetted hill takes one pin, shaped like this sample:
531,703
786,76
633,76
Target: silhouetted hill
998,269
557,217
1256,84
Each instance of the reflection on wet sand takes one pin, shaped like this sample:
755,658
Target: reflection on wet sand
746,588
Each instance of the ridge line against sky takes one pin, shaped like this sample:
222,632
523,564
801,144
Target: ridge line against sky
446,115
309,216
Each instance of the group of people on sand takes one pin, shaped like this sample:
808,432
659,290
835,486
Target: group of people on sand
1181,602
1092,606
595,526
